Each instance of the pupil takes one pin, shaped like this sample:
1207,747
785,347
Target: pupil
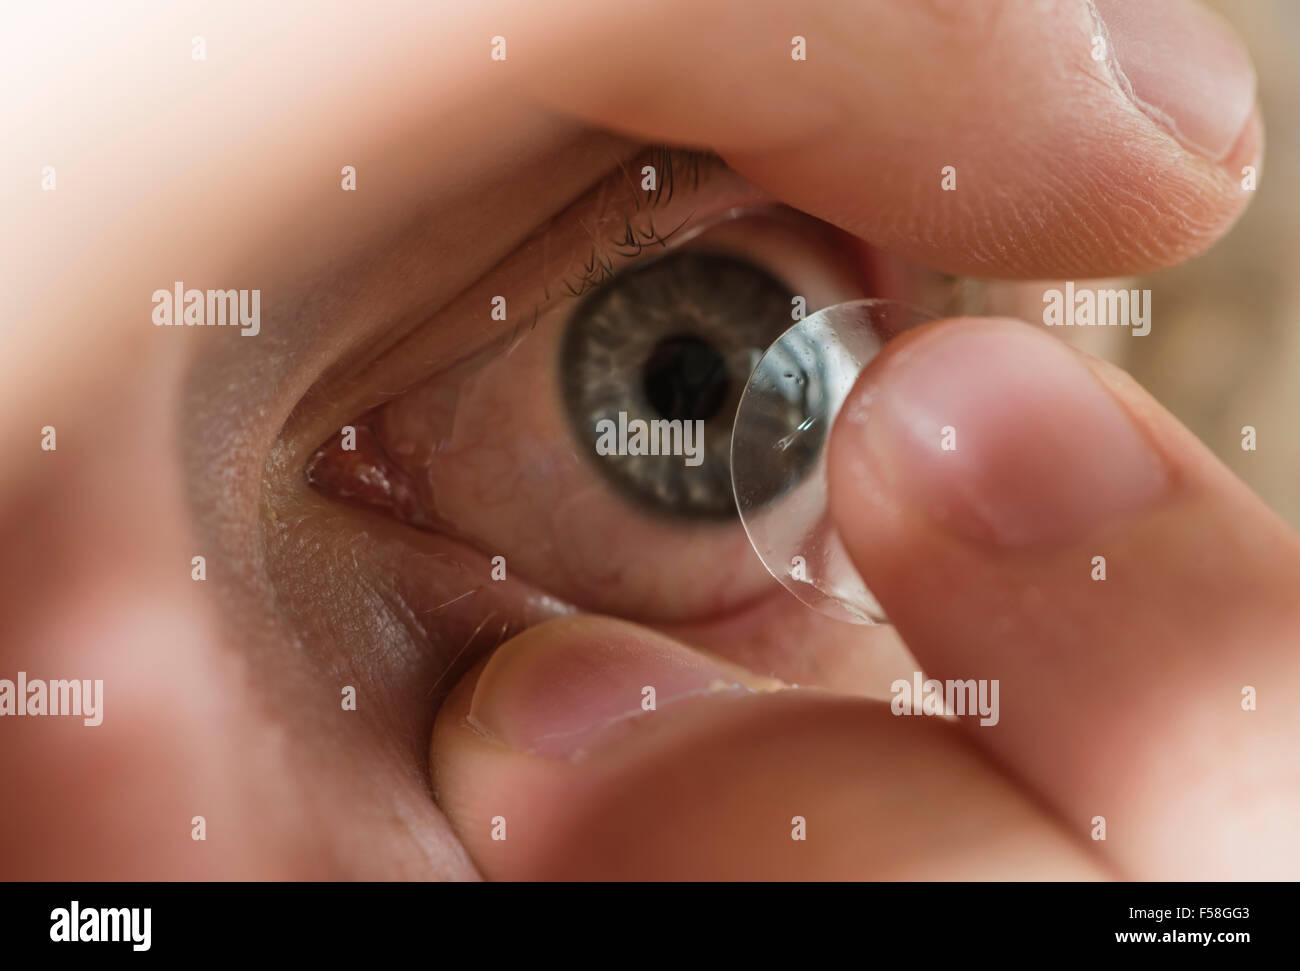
686,378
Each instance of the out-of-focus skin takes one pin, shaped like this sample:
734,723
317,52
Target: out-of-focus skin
222,697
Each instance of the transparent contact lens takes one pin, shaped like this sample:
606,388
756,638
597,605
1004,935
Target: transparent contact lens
778,450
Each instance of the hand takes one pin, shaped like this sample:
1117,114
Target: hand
1121,698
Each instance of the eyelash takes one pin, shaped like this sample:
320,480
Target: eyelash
669,163
634,242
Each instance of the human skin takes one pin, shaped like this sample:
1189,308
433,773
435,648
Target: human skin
1119,699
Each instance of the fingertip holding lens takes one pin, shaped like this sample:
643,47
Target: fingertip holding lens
778,450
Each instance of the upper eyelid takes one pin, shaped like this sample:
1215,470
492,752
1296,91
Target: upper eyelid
423,342
690,167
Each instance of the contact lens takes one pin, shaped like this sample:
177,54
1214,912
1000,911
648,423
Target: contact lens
778,450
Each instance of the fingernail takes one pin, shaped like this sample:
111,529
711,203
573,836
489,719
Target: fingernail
1186,69
1001,434
556,689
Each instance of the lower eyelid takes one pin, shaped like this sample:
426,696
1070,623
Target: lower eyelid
436,611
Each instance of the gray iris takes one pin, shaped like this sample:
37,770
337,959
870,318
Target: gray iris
676,339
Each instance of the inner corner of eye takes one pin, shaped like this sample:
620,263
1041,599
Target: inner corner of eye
353,464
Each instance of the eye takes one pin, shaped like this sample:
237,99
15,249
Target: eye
652,366
590,449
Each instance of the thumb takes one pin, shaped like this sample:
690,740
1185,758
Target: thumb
589,748
1032,517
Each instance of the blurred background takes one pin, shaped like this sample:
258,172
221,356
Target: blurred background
1226,351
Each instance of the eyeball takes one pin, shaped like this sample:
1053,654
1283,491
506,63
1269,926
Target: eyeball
778,450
